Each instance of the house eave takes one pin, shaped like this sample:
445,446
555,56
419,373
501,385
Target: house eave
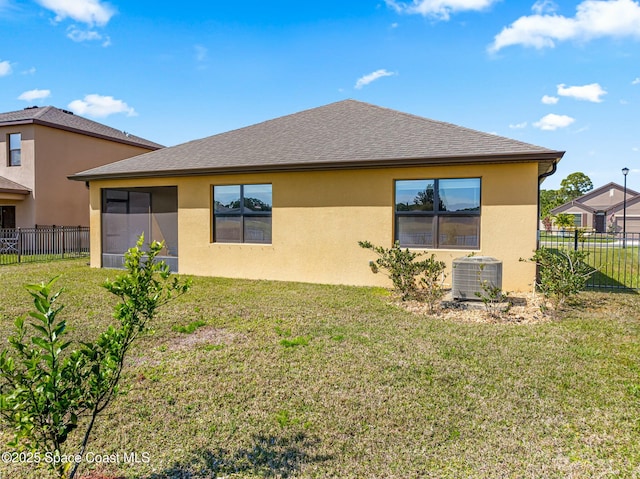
36,121
547,157
12,195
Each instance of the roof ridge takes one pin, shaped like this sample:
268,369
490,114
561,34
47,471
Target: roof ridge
42,110
59,118
603,188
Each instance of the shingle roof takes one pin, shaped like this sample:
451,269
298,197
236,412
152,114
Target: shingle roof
581,201
345,134
8,186
66,120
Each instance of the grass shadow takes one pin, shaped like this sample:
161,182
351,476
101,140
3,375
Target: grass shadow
266,456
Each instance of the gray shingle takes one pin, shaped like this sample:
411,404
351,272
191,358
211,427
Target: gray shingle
348,133
57,118
8,186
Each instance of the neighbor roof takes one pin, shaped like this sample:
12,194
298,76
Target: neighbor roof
584,203
67,120
8,186
345,134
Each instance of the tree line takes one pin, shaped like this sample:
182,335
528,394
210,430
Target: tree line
572,187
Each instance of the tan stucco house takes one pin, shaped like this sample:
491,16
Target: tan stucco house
601,209
289,198
39,148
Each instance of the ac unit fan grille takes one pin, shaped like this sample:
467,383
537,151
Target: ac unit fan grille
470,273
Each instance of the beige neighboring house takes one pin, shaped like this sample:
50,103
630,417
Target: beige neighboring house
39,148
602,209
289,198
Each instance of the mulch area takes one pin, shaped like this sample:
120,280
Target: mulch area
519,308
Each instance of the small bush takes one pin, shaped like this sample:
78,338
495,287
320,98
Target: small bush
562,275
48,390
493,297
412,278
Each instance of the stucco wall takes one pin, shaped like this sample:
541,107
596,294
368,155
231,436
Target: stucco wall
23,174
318,217
59,154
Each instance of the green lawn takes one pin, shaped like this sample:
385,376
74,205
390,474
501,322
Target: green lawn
267,379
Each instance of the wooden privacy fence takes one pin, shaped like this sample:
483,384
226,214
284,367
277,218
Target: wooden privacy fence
615,256
43,243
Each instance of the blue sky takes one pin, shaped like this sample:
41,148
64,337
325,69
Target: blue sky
564,75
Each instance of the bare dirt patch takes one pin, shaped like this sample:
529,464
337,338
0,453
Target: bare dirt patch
204,336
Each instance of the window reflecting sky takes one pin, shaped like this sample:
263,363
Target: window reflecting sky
460,194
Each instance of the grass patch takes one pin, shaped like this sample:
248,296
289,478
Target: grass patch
373,392
189,328
292,343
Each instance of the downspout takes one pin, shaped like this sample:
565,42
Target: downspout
541,177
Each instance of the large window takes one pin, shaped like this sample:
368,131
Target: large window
15,149
438,213
242,213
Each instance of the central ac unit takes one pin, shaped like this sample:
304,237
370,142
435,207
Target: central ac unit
471,272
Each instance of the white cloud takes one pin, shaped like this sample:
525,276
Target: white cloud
552,122
438,9
591,92
30,71
518,126
544,6
100,106
90,12
34,95
5,68
550,100
593,19
636,81
78,35
371,77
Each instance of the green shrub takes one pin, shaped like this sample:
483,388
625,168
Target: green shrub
562,274
47,392
564,221
493,299
412,278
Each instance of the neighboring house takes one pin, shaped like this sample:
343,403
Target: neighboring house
39,148
289,198
602,209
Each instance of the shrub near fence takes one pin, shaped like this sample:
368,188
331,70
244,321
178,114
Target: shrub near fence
43,243
614,255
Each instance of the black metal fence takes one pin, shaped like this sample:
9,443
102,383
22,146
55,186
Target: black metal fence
43,243
615,256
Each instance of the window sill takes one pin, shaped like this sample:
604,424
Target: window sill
222,243
445,250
